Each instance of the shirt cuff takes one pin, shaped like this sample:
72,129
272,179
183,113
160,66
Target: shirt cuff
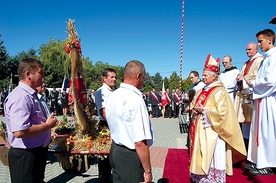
206,122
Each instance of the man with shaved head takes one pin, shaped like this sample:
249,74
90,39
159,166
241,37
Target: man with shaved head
130,128
247,75
229,76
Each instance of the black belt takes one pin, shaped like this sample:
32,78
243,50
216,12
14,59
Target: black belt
124,146
35,149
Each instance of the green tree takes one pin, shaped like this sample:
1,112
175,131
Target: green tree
186,84
4,61
120,74
31,53
148,84
173,81
88,72
158,81
56,62
166,83
7,66
95,74
146,87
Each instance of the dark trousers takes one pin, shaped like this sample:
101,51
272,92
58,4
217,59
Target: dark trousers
154,109
27,165
189,139
127,167
104,167
168,111
175,111
55,106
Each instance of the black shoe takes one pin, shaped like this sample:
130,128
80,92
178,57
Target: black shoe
262,171
250,166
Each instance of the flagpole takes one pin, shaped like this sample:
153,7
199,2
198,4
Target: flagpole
181,45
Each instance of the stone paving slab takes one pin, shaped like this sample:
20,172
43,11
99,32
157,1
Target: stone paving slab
166,134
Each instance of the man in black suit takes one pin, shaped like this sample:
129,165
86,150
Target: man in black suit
154,100
54,100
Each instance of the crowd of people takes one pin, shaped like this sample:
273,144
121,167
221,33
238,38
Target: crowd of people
60,101
174,103
231,117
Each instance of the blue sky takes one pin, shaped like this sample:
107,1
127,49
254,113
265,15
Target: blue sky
116,31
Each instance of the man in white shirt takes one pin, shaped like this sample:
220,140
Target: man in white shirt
229,76
130,128
109,82
262,139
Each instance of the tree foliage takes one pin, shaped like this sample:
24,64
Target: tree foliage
8,66
4,60
158,81
57,63
186,84
166,83
149,83
174,81
94,73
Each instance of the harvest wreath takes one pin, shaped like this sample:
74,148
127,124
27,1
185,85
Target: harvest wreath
80,135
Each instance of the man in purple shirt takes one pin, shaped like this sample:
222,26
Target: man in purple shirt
28,128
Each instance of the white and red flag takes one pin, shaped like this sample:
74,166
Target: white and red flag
165,98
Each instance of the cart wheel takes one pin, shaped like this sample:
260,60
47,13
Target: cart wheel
70,164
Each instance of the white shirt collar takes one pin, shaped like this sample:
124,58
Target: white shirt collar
131,87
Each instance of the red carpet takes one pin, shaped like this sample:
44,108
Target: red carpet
176,169
238,176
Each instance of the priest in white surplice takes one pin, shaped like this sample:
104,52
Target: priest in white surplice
228,77
247,75
262,140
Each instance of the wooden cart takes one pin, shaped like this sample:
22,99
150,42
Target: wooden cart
71,161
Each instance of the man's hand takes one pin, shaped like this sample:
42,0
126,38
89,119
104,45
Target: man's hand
37,129
51,121
147,177
199,108
239,78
